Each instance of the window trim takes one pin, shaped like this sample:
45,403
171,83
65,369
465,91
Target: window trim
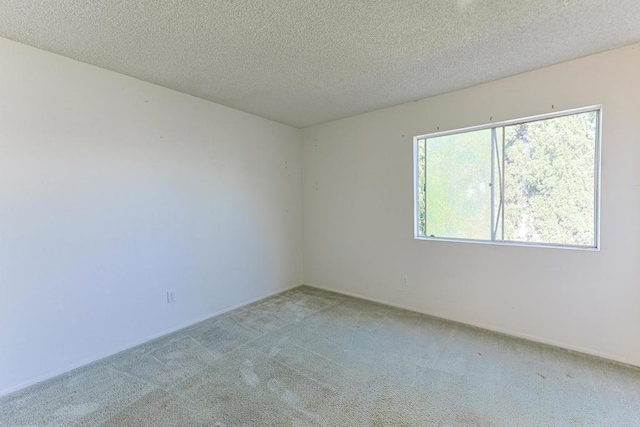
597,178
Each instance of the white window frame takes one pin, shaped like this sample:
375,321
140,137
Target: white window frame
597,174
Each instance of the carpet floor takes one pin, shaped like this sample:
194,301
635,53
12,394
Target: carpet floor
308,357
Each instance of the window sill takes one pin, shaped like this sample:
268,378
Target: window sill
520,244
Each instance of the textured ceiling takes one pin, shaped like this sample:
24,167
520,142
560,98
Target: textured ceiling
303,62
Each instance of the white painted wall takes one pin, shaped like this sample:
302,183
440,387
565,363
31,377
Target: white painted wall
358,215
113,191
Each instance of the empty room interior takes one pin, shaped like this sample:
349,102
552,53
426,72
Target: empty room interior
320,213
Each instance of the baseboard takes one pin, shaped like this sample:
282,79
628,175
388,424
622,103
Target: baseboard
129,346
568,347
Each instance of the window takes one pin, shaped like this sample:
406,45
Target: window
532,181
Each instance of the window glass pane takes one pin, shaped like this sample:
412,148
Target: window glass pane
458,174
422,224
549,180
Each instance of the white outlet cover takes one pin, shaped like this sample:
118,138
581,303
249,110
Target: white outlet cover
171,297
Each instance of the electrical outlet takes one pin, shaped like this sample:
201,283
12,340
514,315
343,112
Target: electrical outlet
405,281
171,297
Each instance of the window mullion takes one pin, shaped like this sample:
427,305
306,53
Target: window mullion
498,158
426,220
493,184
504,173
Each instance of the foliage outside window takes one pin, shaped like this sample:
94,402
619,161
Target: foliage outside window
531,181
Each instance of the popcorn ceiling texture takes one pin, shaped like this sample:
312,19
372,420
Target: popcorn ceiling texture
307,62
